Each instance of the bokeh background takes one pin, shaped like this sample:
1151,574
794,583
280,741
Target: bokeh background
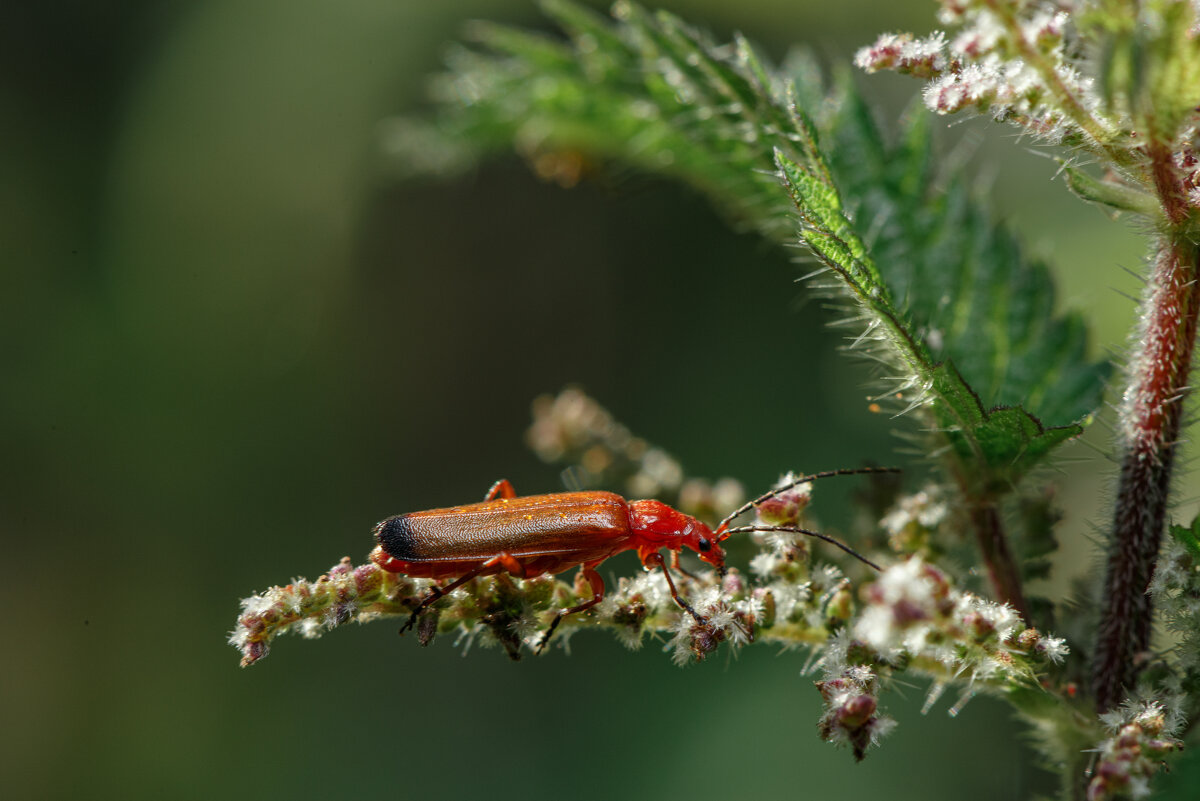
234,343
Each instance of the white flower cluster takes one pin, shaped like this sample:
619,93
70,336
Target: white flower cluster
794,590
1176,591
1014,67
310,608
1176,583
721,620
913,614
1003,85
851,696
793,597
903,52
914,518
727,614
1143,733
573,428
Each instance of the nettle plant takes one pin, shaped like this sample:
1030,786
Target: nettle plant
976,363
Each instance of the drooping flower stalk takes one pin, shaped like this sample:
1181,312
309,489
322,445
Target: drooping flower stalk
1142,735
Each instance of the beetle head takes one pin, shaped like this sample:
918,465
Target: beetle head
659,526
702,541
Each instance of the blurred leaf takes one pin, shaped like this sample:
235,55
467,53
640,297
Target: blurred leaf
1149,62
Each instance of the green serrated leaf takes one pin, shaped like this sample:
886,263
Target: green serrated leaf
946,296
814,198
995,446
1188,536
828,247
963,280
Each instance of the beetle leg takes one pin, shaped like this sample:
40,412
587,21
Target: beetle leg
501,489
655,560
508,562
503,559
677,567
594,578
436,592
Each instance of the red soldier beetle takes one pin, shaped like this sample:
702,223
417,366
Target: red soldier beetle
536,535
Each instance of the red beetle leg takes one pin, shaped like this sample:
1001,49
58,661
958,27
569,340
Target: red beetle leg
676,566
655,560
647,553
594,578
437,592
508,562
504,560
501,489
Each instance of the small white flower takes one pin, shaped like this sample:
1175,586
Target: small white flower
257,604
764,564
927,508
876,627
1054,648
311,628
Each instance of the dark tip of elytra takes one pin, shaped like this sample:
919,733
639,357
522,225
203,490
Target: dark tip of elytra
395,536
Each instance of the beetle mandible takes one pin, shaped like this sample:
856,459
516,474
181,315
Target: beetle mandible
540,534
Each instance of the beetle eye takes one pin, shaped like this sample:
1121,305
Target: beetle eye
704,543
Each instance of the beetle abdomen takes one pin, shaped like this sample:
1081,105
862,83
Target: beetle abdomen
587,525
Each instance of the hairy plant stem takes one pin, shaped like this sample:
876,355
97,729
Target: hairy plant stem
1151,412
993,546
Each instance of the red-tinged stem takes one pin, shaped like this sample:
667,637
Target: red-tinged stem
1002,569
1151,412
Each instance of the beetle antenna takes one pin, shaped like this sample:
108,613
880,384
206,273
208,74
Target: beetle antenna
722,532
797,530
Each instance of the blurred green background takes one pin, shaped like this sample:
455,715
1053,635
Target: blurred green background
235,344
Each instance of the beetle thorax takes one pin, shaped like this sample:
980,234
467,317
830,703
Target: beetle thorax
653,522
